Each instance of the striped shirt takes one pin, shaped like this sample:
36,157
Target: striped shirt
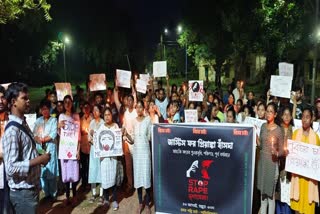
18,150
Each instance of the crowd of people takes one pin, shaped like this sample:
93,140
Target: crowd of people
27,172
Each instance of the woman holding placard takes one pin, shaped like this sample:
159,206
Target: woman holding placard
271,147
304,191
109,164
70,167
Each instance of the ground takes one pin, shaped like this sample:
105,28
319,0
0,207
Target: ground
127,204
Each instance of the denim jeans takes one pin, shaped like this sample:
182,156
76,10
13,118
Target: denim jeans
24,201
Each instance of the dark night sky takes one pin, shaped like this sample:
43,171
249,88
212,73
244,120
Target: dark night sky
147,18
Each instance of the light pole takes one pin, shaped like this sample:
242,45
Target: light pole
163,47
65,41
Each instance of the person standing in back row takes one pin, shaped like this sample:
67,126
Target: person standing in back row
22,162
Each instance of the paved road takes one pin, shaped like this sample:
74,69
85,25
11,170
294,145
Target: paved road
127,204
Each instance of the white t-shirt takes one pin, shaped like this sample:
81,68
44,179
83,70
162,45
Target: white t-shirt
128,123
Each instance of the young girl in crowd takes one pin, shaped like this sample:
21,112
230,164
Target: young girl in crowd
154,112
231,115
70,168
174,112
142,156
45,132
94,163
261,111
304,191
284,190
109,165
214,114
271,147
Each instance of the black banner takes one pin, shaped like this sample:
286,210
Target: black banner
203,168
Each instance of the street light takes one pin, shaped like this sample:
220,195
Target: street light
163,48
179,29
66,40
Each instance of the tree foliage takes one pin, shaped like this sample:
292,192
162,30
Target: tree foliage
13,9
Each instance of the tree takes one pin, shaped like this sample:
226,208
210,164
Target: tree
280,32
13,9
208,39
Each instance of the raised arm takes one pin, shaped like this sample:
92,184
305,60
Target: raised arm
134,93
116,98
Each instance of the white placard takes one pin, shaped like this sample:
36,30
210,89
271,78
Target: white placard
303,159
31,119
257,123
107,142
145,77
6,85
190,116
285,69
195,90
123,78
69,136
97,82
141,86
280,86
160,69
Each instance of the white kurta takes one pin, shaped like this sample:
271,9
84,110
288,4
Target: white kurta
94,163
109,169
141,153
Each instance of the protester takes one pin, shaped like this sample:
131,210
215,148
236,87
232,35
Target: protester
128,123
283,201
70,168
231,115
94,163
84,143
45,132
214,114
304,191
109,164
21,159
141,156
162,99
271,145
154,112
4,190
174,112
